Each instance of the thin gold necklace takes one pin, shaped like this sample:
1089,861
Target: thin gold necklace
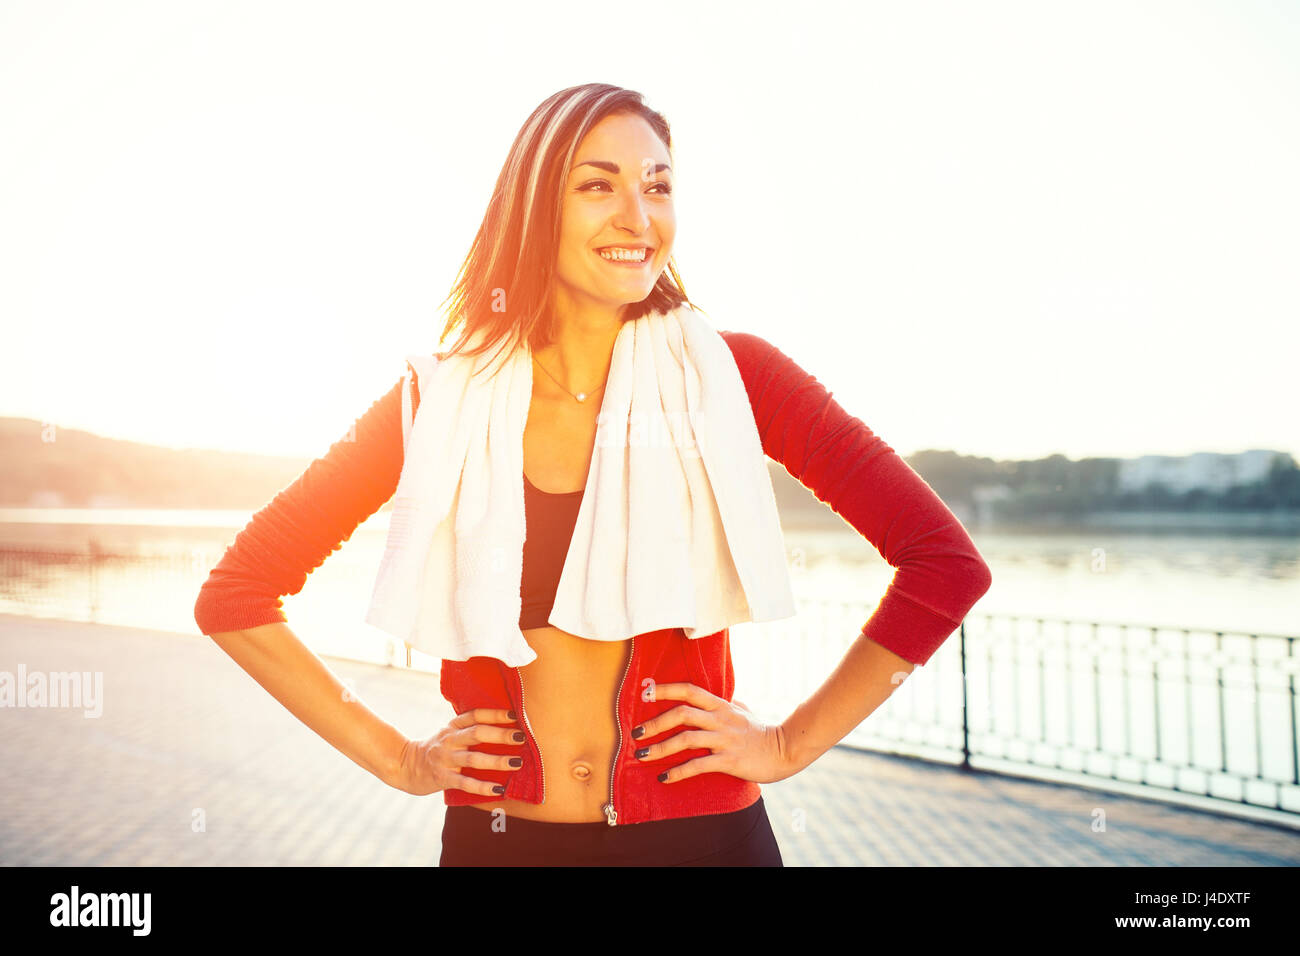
580,396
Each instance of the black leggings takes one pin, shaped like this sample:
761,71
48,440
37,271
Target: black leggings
742,838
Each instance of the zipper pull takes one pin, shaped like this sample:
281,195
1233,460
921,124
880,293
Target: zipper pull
611,817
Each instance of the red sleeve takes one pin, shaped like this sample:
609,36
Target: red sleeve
305,523
939,574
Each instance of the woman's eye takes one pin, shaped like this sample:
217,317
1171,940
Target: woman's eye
664,188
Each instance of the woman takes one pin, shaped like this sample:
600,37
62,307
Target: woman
597,751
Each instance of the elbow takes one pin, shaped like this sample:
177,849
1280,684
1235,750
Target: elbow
969,578
212,613
984,579
203,611
209,604
978,579
218,612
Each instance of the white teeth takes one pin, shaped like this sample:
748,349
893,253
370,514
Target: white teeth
623,255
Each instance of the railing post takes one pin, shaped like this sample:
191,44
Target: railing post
965,722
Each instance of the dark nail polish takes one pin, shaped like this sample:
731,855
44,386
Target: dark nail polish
516,761
498,789
663,776
637,731
643,751
512,715
519,736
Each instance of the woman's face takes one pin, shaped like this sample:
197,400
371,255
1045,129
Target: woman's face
617,196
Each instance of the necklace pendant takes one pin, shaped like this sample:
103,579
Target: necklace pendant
581,396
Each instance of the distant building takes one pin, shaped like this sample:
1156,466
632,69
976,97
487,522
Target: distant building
1207,470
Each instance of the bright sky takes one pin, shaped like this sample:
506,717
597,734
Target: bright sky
1008,229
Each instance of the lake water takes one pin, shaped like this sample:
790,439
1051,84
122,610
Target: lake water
1194,712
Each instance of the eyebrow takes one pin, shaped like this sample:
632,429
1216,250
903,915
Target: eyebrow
613,167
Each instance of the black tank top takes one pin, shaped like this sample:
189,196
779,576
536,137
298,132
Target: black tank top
550,519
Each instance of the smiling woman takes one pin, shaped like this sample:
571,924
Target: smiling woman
592,682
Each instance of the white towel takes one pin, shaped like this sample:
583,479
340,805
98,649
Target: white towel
678,525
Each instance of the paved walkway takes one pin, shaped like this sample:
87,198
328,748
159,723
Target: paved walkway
192,763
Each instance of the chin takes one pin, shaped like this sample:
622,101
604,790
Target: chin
620,299
616,297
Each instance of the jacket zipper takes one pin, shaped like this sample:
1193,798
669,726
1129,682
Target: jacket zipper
611,815
540,763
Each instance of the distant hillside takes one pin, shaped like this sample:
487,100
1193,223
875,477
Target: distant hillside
83,470
1253,489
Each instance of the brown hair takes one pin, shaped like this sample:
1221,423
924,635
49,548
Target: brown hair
515,251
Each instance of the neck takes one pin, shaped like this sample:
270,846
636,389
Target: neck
582,349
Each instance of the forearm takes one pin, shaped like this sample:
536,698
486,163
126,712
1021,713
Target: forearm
295,676
861,682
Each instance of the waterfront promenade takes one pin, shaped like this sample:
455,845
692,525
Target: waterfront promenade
191,763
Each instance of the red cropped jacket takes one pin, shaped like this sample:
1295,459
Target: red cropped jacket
939,575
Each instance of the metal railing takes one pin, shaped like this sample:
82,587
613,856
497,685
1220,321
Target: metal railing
1167,709
1171,710
1208,713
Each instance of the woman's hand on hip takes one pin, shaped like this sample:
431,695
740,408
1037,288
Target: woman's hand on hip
742,745
435,764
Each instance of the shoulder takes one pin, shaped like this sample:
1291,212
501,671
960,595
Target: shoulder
749,350
760,361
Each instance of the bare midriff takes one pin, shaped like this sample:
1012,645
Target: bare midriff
569,695
570,690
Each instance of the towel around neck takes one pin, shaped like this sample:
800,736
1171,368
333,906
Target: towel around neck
678,525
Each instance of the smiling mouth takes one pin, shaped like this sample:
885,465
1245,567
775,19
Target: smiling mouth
624,256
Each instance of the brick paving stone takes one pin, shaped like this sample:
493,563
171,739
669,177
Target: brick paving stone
183,727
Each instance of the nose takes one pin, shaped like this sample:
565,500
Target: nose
631,215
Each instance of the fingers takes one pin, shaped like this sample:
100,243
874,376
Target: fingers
458,781
487,734
686,740
482,715
706,737
693,694
692,768
477,726
482,761
682,714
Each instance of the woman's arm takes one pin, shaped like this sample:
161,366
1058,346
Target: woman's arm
860,683
292,673
239,605
939,573
305,523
